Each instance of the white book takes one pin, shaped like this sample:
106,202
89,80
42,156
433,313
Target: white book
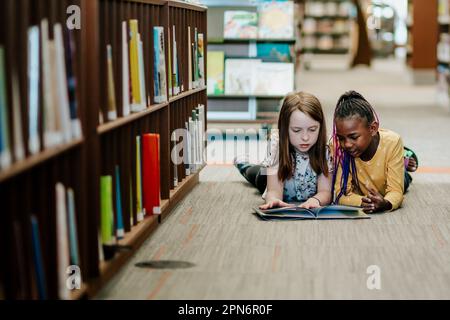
187,149
52,135
201,112
239,79
33,90
176,88
19,151
141,72
62,242
61,83
189,58
125,72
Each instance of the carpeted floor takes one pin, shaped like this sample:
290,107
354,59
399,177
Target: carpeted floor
237,256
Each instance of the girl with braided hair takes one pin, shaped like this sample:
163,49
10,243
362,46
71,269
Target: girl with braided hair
369,165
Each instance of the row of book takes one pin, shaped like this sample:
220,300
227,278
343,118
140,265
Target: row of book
66,245
248,76
328,8
326,42
147,198
51,73
444,11
273,19
134,88
311,25
443,48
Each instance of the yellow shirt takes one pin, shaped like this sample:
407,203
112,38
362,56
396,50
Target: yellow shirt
384,172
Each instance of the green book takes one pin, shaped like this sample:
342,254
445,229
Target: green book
106,210
5,151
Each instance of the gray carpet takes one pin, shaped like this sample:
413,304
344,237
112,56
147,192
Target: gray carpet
237,256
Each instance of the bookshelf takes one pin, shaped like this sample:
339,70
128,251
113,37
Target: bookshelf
233,98
326,29
443,54
27,184
423,29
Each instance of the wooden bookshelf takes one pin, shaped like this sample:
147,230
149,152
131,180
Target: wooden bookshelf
28,186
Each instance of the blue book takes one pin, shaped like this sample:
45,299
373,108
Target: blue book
274,52
37,258
156,63
119,228
73,238
5,151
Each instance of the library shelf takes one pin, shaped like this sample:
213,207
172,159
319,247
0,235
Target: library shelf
186,94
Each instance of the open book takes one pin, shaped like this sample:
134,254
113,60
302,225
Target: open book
297,213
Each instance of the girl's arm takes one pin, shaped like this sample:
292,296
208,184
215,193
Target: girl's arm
274,195
323,195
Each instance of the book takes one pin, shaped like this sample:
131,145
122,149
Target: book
240,24
175,74
281,77
112,110
195,60
33,90
62,236
215,72
159,76
19,151
201,59
274,52
140,210
38,261
125,72
276,19
151,173
169,73
5,150
187,149
120,232
75,123
106,211
297,213
240,79
144,100
136,105
190,63
73,235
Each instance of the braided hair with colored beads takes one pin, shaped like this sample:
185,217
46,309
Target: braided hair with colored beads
350,104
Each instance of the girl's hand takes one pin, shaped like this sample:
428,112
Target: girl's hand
310,204
374,202
412,165
275,203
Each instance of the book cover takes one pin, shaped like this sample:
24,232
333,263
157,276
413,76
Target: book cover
38,261
240,24
215,72
201,59
112,110
5,150
159,78
75,123
33,90
239,80
276,19
120,231
136,105
62,236
140,210
73,233
297,213
281,77
61,84
151,173
106,210
125,72
274,52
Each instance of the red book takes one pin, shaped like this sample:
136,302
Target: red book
150,173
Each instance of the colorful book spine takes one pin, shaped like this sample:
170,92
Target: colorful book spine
175,85
5,150
140,210
195,56
73,237
63,241
120,231
151,173
159,75
106,210
144,99
38,260
19,151
190,59
170,65
201,59
112,109
75,123
33,90
136,105
125,72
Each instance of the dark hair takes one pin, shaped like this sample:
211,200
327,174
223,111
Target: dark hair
350,104
310,105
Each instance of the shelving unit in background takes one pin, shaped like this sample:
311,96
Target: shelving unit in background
443,54
246,107
28,185
327,30
383,36
423,28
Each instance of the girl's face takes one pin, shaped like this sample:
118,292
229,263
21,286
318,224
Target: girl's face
355,135
303,131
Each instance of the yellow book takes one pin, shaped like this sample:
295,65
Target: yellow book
134,64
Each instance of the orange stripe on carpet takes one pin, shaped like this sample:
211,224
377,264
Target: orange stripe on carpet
161,282
191,234
433,170
185,217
